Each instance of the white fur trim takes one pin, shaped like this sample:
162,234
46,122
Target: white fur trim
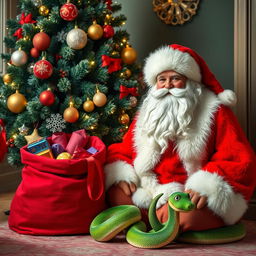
119,171
142,198
228,98
167,58
222,199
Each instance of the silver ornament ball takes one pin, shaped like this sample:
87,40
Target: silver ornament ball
19,58
76,39
37,3
30,67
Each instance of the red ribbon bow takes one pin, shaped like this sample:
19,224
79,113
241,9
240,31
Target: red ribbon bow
23,20
3,147
18,33
125,91
112,63
26,19
109,2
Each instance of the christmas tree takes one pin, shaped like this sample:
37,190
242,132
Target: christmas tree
70,67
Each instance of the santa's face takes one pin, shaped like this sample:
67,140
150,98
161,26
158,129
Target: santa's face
166,114
170,79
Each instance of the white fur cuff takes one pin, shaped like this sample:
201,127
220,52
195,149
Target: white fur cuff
142,198
222,200
119,171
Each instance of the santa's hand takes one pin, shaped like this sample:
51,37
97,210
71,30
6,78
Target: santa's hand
199,200
128,188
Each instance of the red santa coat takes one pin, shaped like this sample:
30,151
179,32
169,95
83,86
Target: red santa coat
215,159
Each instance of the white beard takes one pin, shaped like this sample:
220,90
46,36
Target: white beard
167,113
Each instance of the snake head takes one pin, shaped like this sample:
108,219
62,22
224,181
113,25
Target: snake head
181,202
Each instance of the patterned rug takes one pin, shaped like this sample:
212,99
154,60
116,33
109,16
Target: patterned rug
14,244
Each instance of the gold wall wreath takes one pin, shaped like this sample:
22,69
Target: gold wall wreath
175,11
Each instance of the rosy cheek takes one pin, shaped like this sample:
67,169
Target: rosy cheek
159,85
180,84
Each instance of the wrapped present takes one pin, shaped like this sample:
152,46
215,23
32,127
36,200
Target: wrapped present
60,138
78,139
92,150
46,153
40,147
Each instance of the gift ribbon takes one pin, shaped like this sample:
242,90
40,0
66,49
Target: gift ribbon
112,63
95,181
3,146
125,91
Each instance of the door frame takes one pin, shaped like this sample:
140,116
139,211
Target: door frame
244,73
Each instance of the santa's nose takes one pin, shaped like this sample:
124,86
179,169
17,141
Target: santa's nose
168,85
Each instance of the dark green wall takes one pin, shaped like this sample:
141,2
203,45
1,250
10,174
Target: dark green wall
210,33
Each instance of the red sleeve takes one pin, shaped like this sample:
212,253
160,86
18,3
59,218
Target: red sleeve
233,157
123,151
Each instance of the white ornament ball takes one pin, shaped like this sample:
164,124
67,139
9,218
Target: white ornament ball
76,39
37,3
19,58
30,67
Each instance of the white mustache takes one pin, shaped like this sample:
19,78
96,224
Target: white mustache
176,92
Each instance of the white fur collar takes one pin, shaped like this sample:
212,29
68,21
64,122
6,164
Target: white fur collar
190,149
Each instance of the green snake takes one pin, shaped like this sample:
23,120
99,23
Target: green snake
112,221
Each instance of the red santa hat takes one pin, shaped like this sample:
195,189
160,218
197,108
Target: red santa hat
187,62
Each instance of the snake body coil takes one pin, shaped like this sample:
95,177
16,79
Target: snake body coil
110,222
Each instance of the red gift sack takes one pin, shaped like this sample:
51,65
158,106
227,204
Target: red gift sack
59,197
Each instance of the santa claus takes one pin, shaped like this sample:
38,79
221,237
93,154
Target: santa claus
184,138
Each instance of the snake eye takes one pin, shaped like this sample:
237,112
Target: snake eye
177,198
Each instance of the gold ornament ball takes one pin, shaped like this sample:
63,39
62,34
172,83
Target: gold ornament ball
99,99
128,55
7,79
133,101
95,31
16,103
124,119
64,155
88,106
127,73
71,114
44,10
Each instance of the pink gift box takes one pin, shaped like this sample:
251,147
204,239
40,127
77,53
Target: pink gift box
77,140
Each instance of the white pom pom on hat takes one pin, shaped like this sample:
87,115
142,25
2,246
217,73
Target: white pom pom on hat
187,62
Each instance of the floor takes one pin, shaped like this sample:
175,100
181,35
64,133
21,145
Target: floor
14,244
5,200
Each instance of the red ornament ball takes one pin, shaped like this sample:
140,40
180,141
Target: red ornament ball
41,41
68,12
34,53
108,31
43,69
47,98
